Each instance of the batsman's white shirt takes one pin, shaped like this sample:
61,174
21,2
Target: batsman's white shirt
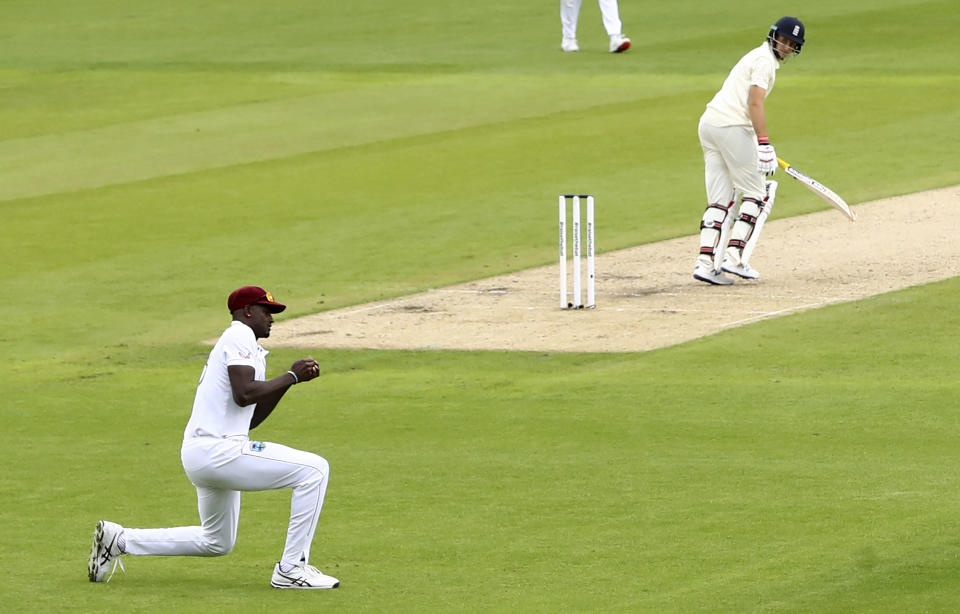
215,412
729,106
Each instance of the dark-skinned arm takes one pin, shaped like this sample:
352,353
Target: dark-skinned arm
266,405
267,394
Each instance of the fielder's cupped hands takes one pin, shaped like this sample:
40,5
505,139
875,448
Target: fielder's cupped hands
306,369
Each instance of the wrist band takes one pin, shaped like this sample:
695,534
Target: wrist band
296,380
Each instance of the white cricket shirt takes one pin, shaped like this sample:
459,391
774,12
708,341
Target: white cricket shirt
215,413
729,106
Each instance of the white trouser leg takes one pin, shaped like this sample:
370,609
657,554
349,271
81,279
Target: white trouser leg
569,12
610,13
270,466
717,217
220,468
730,164
219,515
737,149
308,475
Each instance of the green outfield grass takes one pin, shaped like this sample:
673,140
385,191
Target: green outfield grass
823,480
156,156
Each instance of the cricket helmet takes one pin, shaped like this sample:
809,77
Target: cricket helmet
789,28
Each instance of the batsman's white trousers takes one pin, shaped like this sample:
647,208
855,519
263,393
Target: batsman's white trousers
570,11
730,162
222,468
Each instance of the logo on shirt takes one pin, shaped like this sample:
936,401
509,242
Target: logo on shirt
257,446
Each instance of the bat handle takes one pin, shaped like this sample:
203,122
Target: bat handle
783,163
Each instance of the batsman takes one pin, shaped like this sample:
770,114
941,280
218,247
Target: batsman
739,158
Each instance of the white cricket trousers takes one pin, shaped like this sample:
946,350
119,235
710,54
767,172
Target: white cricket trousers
730,163
570,11
221,469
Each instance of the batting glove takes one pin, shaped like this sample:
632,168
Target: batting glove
766,156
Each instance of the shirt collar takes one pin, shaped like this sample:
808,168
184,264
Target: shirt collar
773,55
263,351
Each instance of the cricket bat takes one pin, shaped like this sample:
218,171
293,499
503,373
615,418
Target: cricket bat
819,189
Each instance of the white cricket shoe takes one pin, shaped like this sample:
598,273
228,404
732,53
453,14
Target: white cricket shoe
104,550
570,44
740,270
705,273
302,577
619,43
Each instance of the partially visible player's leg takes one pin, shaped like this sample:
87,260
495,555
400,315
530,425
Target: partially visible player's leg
219,513
740,156
610,13
268,466
243,465
219,516
746,230
754,237
569,13
716,220
218,503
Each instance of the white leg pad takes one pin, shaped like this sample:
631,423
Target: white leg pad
764,214
714,229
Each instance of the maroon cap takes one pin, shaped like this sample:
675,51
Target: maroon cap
253,295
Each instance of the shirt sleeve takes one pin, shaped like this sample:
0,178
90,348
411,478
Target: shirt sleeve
238,351
761,73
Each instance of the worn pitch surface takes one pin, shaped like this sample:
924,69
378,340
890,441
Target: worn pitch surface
646,295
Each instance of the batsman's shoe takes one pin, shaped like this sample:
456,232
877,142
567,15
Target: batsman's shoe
710,276
105,550
619,43
570,44
740,270
302,577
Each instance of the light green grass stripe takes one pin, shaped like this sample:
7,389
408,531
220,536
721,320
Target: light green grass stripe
269,130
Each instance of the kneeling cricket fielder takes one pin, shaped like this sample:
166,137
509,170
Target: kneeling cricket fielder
233,397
